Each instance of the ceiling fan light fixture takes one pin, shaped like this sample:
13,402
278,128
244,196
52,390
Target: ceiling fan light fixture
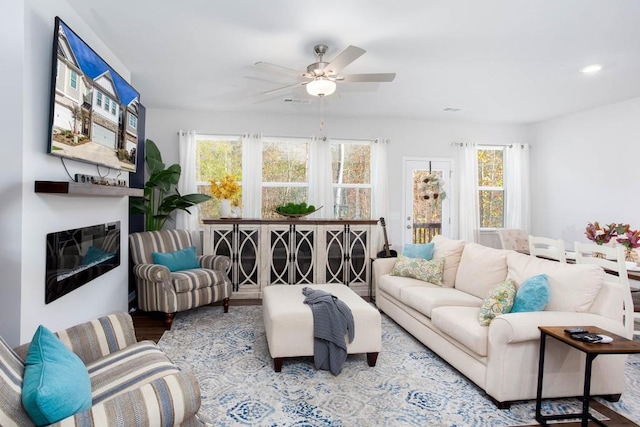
321,87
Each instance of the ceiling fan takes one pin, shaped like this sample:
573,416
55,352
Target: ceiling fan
321,77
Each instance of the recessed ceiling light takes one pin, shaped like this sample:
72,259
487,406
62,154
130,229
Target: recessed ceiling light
590,69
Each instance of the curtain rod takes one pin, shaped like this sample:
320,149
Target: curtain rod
462,144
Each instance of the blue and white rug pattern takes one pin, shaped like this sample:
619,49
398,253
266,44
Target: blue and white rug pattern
409,386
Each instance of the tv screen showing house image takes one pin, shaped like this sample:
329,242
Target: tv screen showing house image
94,111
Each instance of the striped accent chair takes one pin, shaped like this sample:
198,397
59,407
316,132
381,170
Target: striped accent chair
159,289
132,383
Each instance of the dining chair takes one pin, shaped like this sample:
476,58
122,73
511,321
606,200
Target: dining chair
613,262
515,239
546,247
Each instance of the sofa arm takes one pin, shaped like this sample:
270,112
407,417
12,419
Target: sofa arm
215,262
383,266
521,327
167,401
96,338
152,272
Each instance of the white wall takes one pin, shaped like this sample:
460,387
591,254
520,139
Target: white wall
586,168
26,217
11,86
408,138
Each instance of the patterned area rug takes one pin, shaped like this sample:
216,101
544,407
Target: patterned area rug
409,386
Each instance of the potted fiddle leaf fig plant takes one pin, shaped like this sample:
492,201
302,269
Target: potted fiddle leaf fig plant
161,197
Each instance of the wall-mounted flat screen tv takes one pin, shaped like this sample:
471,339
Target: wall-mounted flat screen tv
94,111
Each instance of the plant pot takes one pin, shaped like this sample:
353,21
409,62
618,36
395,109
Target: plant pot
225,208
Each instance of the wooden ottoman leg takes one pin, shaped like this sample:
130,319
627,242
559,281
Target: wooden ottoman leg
277,363
372,358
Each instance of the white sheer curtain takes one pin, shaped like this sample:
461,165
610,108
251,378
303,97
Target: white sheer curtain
320,182
468,214
379,187
187,183
516,179
251,176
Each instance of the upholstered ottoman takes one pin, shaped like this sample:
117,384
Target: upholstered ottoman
288,322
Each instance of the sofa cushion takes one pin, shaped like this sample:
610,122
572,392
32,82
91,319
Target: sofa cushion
56,382
574,287
533,294
128,369
394,285
418,250
424,300
190,280
499,301
480,268
461,324
418,268
450,250
12,371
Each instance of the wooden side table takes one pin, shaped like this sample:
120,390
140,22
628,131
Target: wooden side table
619,345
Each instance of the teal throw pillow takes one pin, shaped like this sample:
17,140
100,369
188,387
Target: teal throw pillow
184,259
418,268
418,250
56,383
533,295
499,301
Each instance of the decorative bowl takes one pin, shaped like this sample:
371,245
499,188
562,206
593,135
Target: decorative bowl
300,215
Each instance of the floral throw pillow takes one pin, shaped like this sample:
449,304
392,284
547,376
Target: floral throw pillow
499,301
418,268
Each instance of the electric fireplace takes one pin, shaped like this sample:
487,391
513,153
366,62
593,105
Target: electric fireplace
75,257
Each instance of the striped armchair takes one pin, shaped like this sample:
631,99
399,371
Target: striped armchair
159,289
132,383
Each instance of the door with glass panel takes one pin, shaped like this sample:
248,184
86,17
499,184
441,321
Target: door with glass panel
427,199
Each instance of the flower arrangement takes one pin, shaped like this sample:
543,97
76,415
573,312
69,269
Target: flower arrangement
226,188
431,187
600,235
628,238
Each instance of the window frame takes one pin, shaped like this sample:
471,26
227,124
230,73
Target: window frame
363,186
73,80
503,189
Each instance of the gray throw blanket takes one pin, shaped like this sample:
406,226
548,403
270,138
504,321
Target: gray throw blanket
332,319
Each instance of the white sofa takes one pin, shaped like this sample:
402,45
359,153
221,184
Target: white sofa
502,358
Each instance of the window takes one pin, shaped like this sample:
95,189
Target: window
113,108
106,103
73,81
285,173
133,121
99,99
351,178
491,189
216,157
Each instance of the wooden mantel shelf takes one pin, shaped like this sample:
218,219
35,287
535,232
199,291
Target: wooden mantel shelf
76,189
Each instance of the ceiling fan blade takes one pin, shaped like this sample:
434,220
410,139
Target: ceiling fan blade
345,58
269,92
279,69
362,78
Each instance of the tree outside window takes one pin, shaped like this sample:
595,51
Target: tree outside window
491,194
216,157
284,173
351,177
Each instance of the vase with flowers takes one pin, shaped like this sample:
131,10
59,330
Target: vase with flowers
227,190
630,239
600,235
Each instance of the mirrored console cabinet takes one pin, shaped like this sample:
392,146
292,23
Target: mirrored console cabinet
296,251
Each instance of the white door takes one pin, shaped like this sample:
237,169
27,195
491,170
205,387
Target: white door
424,215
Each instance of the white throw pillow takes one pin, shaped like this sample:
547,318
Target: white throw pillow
481,267
451,251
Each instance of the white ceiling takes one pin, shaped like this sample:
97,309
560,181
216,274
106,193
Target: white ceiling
501,61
